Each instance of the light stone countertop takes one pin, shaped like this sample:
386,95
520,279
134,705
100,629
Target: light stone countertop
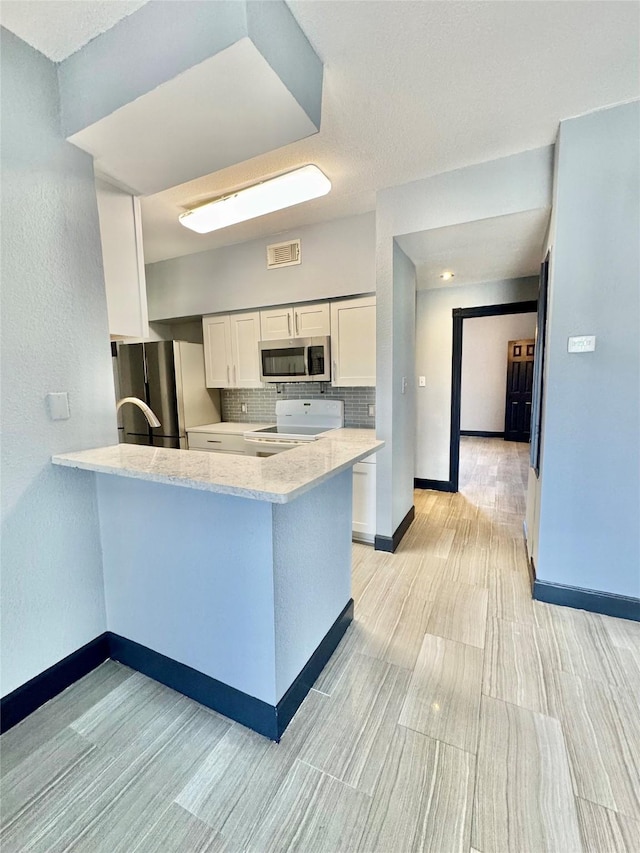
277,479
230,427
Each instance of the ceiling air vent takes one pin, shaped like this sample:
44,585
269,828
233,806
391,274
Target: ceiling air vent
283,254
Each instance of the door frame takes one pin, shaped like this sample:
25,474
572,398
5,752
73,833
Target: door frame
459,315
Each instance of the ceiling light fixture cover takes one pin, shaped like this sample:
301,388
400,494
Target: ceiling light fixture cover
446,275
266,197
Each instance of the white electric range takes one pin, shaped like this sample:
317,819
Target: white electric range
297,422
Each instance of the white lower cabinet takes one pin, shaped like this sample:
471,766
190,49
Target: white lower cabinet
364,500
216,442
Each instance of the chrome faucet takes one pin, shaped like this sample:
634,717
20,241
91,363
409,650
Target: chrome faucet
146,411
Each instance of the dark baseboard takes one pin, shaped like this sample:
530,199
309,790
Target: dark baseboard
436,485
251,712
390,543
294,696
481,433
587,599
532,574
27,698
268,720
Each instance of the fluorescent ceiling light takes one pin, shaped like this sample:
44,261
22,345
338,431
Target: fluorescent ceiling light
275,194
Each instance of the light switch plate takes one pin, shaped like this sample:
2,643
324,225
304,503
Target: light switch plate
582,343
372,410
58,403
422,381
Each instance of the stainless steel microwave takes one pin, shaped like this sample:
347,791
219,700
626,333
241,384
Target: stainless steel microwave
295,360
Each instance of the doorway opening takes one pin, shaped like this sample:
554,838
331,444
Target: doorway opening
518,404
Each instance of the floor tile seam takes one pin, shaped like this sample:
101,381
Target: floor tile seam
459,642
370,656
157,715
529,710
189,709
440,740
628,692
50,706
92,747
336,778
149,828
635,819
53,820
183,718
484,693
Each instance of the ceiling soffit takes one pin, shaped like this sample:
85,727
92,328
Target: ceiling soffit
197,87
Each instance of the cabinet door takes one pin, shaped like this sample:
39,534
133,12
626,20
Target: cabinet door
353,342
364,501
122,261
311,320
245,335
276,324
216,334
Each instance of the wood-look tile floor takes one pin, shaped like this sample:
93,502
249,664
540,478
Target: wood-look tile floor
456,715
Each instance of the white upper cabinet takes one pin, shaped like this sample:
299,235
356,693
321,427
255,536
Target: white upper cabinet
353,342
277,323
123,261
295,321
216,335
231,350
245,363
310,321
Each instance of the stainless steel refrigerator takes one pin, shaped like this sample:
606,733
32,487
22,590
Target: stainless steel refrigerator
169,377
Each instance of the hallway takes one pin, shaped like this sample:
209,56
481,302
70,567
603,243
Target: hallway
456,715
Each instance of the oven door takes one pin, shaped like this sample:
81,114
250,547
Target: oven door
295,360
265,447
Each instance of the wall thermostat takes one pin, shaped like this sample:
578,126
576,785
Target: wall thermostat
582,343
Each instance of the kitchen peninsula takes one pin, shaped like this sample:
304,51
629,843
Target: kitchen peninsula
228,577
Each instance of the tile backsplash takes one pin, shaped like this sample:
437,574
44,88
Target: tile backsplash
261,402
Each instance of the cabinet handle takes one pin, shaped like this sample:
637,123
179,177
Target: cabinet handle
235,377
289,323
335,369
213,441
297,331
228,378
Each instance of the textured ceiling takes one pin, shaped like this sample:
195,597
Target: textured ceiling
417,88
411,89
484,250
58,28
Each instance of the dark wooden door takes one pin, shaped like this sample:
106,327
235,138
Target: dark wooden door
517,419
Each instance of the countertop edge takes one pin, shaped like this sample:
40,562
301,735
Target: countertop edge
287,494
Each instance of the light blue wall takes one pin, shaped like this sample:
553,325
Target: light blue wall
404,404
312,572
509,185
590,495
54,338
338,259
434,347
182,569
241,590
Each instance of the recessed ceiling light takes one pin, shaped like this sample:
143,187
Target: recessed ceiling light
446,275
257,200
